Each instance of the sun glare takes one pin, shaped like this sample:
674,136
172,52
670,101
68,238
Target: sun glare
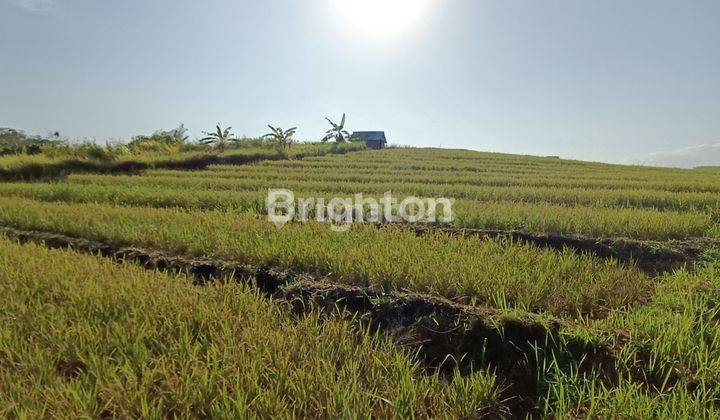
380,18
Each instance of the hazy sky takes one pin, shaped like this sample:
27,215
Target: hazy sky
603,80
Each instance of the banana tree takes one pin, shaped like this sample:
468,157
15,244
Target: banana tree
283,137
337,132
220,138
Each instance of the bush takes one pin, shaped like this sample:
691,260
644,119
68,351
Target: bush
16,142
161,141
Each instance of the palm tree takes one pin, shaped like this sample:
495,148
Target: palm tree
283,137
220,138
337,131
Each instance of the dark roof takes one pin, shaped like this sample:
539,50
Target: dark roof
370,135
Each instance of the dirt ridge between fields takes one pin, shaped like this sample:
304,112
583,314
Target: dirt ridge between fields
446,335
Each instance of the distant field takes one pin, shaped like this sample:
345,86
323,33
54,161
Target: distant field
44,167
492,191
655,334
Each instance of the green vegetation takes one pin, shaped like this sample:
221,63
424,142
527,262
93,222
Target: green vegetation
114,339
669,364
219,139
214,194
83,337
485,271
491,191
16,142
24,157
282,137
337,132
48,166
162,141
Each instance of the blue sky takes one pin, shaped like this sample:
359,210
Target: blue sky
600,80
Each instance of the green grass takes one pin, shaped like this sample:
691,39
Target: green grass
460,186
153,346
492,191
670,364
468,269
363,168
85,337
535,217
21,167
308,180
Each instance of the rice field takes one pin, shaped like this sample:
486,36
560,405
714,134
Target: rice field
114,339
49,166
526,276
85,337
490,191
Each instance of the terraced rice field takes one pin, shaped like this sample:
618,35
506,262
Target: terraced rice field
591,335
491,191
82,335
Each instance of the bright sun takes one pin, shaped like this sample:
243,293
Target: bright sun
380,18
